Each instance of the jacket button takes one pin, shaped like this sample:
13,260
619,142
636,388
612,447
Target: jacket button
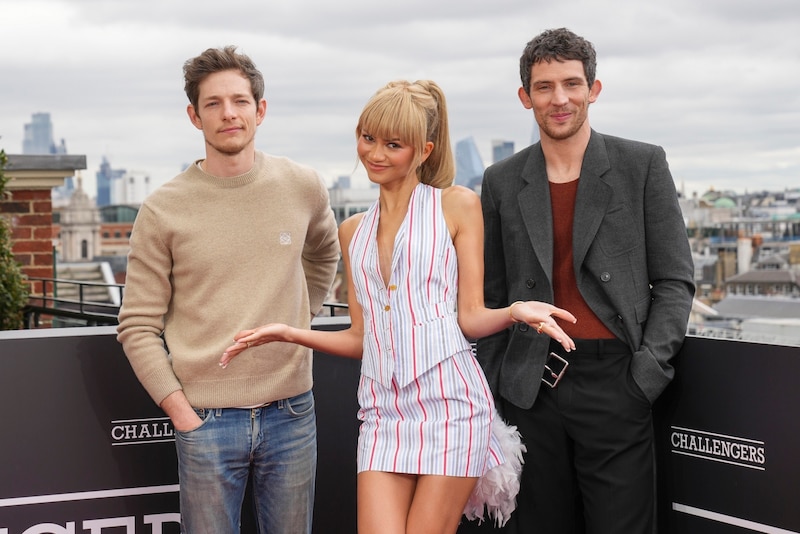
530,284
386,308
605,276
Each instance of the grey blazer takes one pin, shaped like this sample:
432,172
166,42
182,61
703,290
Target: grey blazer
632,259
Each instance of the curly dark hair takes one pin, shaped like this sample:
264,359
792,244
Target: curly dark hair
557,45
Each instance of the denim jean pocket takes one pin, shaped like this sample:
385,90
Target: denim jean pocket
204,414
301,405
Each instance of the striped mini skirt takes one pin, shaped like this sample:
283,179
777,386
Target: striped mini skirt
439,424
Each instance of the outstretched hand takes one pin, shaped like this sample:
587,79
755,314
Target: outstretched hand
252,338
541,316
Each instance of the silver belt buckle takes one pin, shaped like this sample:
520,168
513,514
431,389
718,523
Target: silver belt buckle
554,369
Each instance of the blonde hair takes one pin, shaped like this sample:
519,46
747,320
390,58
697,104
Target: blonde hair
415,113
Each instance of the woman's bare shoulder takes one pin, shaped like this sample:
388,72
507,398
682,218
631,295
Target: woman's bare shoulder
348,226
458,197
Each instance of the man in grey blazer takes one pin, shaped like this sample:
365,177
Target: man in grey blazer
590,223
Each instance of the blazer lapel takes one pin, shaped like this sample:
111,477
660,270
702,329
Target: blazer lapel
592,199
534,205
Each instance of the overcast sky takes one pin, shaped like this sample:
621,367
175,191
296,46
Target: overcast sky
715,82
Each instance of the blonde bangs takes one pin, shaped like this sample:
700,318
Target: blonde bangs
413,114
390,114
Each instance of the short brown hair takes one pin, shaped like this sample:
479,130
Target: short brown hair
213,60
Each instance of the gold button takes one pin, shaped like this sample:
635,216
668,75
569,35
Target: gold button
392,287
386,308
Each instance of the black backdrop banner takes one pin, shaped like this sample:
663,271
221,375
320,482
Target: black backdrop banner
84,448
728,437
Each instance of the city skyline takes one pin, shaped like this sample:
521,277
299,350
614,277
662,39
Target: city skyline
714,83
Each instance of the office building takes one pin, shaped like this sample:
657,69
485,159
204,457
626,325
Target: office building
130,189
39,137
38,140
469,165
501,150
105,178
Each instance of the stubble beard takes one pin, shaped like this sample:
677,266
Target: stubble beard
233,148
563,131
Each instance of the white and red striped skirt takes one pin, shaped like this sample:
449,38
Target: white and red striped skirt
440,424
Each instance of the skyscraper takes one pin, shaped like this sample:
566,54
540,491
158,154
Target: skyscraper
38,140
501,150
105,176
469,165
39,136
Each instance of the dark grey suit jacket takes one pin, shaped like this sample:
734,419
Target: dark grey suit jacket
632,259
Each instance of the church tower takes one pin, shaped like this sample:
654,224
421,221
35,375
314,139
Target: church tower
80,227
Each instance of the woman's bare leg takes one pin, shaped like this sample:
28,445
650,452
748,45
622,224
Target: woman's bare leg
384,500
397,503
438,504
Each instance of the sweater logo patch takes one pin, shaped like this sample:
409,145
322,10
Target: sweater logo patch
285,238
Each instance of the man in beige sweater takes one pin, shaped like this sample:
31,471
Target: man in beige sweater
238,239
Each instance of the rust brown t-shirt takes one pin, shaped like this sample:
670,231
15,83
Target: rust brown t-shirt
565,286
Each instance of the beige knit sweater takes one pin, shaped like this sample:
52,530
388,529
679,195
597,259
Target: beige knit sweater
212,256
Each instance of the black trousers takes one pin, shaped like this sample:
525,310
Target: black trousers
590,464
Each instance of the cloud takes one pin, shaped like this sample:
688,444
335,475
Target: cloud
717,83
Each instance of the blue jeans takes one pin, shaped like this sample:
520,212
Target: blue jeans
275,444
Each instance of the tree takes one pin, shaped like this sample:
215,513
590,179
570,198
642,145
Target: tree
13,290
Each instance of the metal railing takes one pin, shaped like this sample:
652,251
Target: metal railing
80,308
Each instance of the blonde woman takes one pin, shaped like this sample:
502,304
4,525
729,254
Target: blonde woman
415,272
